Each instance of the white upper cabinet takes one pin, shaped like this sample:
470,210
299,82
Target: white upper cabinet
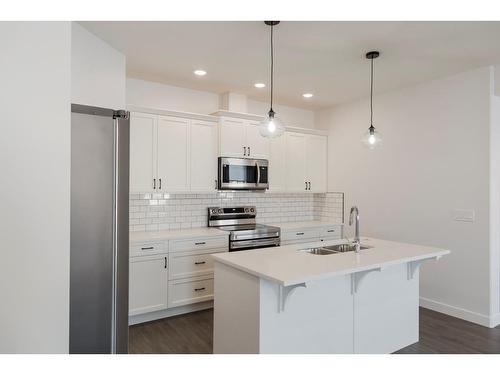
179,153
258,146
316,163
277,164
296,161
173,141
241,139
203,156
172,154
306,162
232,138
142,151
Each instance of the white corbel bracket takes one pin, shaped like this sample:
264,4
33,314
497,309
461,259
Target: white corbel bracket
284,293
357,277
414,266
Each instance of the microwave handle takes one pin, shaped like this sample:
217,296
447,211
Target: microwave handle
258,172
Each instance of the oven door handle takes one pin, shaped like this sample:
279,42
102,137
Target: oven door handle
258,172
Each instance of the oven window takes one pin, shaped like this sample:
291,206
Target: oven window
239,173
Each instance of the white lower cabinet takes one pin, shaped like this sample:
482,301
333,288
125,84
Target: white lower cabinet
192,290
298,235
191,264
148,276
164,275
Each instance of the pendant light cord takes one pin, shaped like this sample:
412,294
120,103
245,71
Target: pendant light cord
371,95
272,67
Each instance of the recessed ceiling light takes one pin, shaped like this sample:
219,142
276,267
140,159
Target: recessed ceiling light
307,95
260,85
200,72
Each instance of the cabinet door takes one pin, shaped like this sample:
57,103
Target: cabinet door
142,151
173,142
232,138
295,161
316,159
203,156
148,277
277,164
257,145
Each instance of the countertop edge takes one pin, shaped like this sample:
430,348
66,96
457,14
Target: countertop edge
347,271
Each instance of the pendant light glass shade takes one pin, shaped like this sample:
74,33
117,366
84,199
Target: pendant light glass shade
372,138
271,126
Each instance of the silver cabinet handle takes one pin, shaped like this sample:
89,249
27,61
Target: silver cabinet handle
244,151
198,289
300,233
248,150
309,185
147,248
331,230
198,263
200,243
160,183
166,263
154,183
215,184
306,185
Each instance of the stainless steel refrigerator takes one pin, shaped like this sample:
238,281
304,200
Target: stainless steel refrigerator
99,230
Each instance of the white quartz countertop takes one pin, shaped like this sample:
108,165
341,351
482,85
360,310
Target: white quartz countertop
304,224
176,234
288,266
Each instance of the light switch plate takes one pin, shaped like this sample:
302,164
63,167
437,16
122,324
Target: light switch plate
466,215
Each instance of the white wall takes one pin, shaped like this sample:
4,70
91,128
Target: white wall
156,95
435,158
97,71
35,187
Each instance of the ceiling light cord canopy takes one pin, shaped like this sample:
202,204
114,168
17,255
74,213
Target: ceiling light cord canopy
271,126
372,138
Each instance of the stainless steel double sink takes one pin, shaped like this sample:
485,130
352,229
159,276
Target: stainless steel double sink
334,249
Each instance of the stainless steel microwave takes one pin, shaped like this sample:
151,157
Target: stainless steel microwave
243,174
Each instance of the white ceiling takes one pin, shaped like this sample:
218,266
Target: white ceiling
325,58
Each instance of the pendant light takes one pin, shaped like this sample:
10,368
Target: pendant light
271,126
372,138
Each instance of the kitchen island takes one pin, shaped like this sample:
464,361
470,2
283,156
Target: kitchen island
286,300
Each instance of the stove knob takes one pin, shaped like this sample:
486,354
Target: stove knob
247,209
252,209
213,210
220,211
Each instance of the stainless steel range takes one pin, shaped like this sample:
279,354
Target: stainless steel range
245,233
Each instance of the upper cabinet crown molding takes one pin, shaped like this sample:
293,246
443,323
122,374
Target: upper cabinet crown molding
165,112
240,115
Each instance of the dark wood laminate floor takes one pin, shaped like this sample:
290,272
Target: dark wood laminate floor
192,334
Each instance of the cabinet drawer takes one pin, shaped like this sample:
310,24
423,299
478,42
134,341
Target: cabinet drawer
300,234
190,264
200,244
187,291
147,248
331,232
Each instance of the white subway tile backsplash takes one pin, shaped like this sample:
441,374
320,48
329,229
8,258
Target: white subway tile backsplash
152,212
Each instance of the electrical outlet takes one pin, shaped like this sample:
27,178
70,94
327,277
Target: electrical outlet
466,215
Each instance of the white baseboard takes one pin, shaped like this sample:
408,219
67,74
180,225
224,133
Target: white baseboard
457,312
155,315
495,320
